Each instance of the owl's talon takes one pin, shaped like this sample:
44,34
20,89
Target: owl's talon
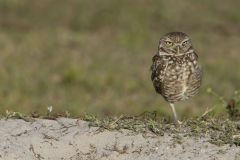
178,122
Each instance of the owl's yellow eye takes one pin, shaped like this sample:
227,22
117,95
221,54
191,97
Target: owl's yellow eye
168,43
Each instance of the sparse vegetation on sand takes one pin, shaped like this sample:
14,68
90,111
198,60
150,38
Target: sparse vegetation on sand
141,137
219,131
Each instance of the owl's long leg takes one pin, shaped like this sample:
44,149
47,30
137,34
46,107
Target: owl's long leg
175,114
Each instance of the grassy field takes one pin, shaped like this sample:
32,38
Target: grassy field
95,56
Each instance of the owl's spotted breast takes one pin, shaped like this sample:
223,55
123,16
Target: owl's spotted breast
180,79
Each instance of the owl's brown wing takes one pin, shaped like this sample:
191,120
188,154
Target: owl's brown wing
158,68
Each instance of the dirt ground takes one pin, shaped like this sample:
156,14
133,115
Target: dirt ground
74,139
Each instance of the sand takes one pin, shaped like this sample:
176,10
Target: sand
73,139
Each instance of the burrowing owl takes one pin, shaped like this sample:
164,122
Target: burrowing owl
176,73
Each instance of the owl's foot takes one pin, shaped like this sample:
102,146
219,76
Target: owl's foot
178,123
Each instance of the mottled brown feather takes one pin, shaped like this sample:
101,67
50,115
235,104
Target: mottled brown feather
176,78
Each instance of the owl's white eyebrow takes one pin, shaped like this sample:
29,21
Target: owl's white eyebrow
168,39
187,39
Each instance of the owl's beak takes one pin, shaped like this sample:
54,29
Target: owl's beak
177,49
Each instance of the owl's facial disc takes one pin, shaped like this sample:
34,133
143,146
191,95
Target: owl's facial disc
175,46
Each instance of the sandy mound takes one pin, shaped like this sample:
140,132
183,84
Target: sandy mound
74,139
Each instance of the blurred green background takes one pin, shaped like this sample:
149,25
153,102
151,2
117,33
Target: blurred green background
95,56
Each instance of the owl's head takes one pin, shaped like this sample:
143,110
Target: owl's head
175,43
